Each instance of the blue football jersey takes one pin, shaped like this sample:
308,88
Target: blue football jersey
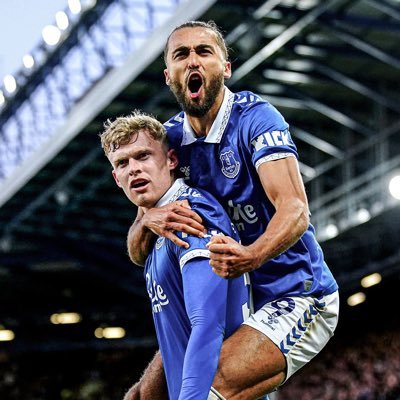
194,310
247,132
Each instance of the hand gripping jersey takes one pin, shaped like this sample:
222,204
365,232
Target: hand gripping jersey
194,310
247,132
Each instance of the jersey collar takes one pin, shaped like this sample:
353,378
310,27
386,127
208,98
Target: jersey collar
171,195
218,126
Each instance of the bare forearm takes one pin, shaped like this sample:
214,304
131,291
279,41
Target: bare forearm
152,384
139,241
285,228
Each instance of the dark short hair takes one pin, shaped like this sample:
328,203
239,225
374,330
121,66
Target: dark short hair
211,25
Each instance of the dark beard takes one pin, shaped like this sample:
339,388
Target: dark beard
192,108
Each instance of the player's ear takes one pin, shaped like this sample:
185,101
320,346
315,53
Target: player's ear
167,79
114,174
227,70
172,159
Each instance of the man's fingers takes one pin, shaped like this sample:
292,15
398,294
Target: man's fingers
184,203
187,213
183,208
225,272
175,239
185,221
216,248
221,273
187,230
216,240
220,248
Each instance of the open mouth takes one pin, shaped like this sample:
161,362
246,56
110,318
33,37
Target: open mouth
137,184
195,83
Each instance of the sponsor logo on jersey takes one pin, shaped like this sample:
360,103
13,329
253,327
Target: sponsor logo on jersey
239,213
156,293
271,139
230,166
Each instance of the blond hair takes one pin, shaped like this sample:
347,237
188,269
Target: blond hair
123,129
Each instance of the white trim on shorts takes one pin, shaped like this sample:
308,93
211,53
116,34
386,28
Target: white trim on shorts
215,395
299,326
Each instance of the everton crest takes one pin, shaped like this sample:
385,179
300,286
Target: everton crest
230,166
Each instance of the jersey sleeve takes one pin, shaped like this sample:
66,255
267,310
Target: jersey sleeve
267,133
206,303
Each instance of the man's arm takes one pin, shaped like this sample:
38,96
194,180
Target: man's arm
162,221
205,301
139,240
284,187
152,384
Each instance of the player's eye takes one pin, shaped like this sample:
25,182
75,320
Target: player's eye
180,54
204,51
143,156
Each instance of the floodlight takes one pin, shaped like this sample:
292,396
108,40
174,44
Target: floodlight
28,61
62,20
394,187
371,280
51,35
75,6
10,84
356,299
110,332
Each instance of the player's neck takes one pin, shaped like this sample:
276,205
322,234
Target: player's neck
202,125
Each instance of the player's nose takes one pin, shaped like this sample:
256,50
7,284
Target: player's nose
134,166
193,59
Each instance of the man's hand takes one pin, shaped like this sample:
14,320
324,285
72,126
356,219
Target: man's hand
229,259
176,216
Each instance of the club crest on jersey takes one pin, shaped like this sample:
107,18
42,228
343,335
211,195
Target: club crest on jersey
230,166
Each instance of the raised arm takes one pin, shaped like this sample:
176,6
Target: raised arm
162,221
284,187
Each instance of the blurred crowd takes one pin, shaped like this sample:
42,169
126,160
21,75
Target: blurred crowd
366,368
71,375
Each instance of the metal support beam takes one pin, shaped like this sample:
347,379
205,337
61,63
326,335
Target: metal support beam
276,44
363,46
356,86
385,134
